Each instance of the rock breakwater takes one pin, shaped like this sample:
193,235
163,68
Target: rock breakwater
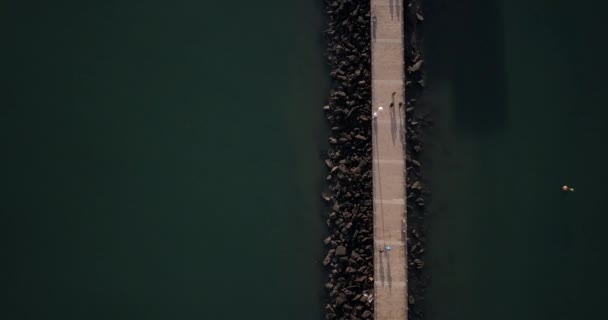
416,190
349,259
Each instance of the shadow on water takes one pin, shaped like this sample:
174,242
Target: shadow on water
467,93
504,241
475,67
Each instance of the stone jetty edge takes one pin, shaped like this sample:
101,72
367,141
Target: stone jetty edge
417,190
349,256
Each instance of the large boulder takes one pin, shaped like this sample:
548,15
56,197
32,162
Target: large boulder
341,251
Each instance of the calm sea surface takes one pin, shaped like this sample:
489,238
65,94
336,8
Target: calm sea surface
517,89
160,160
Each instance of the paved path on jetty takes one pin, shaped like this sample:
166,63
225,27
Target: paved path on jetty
390,268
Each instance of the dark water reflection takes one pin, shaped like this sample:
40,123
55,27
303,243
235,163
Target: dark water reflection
515,87
467,48
159,160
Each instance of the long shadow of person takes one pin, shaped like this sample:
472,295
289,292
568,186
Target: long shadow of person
398,9
374,27
401,126
381,267
388,270
393,124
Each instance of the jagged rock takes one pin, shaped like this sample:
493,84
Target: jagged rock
415,67
417,185
420,201
350,264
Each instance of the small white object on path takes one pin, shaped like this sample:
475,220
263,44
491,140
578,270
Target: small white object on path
380,108
375,115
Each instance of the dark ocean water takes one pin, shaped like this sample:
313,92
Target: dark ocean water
516,88
160,160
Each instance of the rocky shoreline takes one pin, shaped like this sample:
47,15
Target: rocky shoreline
416,190
349,259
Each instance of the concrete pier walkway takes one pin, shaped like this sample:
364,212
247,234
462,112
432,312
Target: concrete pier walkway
389,166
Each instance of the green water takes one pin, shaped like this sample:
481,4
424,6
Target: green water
516,87
160,160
